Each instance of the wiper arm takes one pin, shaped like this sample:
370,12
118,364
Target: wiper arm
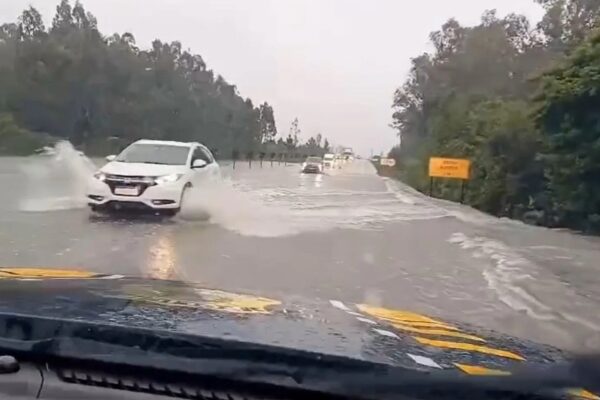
353,381
260,364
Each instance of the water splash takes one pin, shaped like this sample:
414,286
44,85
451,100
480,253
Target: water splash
56,180
222,203
288,203
526,287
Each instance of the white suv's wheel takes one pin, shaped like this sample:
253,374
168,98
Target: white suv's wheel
184,194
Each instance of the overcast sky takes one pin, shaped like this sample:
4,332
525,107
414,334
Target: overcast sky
334,64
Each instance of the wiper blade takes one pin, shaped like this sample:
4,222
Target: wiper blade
260,364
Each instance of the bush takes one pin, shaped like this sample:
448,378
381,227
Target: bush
17,141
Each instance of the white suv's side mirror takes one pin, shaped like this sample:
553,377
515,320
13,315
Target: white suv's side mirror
199,163
112,157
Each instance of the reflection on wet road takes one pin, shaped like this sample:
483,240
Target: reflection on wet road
347,235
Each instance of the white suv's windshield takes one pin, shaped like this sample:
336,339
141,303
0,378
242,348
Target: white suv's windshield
313,160
154,154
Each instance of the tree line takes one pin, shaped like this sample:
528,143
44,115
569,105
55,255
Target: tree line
68,81
521,102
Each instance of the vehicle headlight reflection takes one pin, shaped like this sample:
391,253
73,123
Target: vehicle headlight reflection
162,260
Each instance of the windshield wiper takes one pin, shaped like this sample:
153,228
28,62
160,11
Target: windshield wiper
248,363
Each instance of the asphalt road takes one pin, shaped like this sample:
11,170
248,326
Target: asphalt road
347,235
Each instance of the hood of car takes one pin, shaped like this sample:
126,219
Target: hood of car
329,326
141,169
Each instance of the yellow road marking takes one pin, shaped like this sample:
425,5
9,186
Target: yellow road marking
478,370
35,273
468,347
440,332
403,317
416,324
582,393
220,300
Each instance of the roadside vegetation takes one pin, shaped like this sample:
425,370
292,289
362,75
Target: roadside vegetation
521,102
69,81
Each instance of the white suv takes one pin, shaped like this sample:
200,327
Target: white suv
151,175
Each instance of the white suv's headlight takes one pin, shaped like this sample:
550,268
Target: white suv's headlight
161,180
101,176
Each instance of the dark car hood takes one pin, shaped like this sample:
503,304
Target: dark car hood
363,332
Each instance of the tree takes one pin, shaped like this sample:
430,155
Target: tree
568,112
268,129
295,132
289,141
63,19
31,24
471,98
566,23
74,83
82,19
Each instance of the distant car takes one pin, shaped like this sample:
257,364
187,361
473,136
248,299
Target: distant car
328,160
151,175
313,165
338,160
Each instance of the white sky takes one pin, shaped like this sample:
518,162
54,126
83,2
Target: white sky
332,63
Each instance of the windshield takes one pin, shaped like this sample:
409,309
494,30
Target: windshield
366,179
154,154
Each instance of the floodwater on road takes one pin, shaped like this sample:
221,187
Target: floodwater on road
348,235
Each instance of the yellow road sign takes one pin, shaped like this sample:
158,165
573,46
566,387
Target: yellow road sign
458,168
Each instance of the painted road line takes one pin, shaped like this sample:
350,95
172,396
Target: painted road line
403,317
383,332
583,394
112,277
438,332
339,304
368,321
478,370
416,324
428,362
468,347
41,273
394,314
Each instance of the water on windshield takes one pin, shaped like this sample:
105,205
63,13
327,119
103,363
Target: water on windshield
461,181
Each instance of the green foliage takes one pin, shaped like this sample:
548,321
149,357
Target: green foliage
569,115
471,98
102,92
74,83
18,141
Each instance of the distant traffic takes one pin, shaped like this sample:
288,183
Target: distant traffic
318,165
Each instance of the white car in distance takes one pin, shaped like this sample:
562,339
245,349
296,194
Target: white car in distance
151,175
329,160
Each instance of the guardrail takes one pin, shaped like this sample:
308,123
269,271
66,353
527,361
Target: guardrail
263,157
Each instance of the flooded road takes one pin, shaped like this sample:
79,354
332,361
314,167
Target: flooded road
349,235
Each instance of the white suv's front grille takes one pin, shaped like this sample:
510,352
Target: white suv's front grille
125,181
